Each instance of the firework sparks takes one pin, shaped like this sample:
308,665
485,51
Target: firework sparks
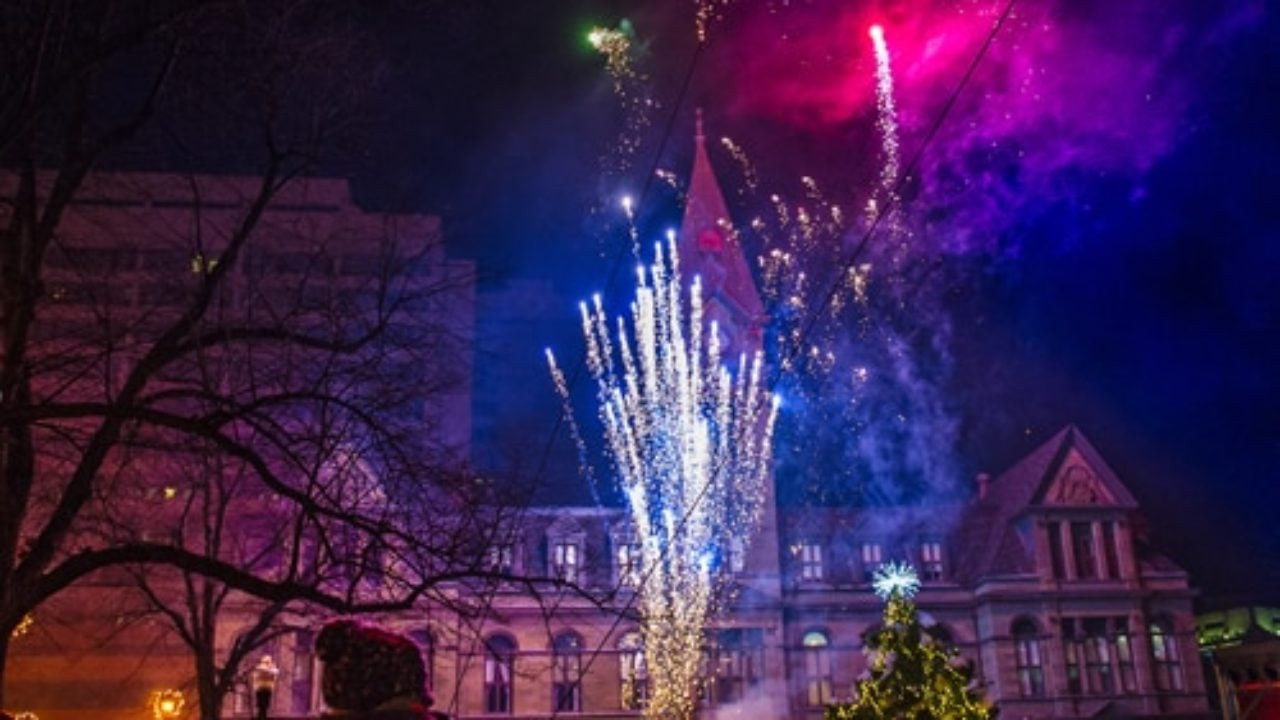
708,11
691,444
895,579
886,122
629,86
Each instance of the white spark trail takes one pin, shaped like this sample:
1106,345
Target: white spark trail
691,443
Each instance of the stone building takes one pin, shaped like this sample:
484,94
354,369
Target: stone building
1043,581
130,253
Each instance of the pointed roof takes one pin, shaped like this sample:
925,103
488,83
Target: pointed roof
1067,470
709,247
1064,471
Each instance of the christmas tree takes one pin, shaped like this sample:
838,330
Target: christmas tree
911,675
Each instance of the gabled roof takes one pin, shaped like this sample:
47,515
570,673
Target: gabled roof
1066,471
709,247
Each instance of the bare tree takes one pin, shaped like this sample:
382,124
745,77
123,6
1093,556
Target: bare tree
198,384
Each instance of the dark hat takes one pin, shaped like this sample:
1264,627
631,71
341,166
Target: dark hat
368,669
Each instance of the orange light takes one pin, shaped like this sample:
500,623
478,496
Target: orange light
167,704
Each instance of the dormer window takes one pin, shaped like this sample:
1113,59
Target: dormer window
931,561
810,561
872,556
502,558
628,563
565,561
1084,550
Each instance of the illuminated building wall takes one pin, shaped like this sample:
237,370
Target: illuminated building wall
128,254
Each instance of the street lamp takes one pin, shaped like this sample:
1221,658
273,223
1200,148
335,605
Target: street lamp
263,680
167,704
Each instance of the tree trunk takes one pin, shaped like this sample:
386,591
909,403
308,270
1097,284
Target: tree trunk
210,696
4,655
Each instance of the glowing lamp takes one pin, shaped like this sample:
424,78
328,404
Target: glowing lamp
24,626
263,680
167,704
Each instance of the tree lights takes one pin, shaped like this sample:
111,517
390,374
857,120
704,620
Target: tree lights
690,443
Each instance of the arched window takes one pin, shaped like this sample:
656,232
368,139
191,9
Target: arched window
817,667
1026,650
302,685
633,673
1164,654
426,642
499,666
566,671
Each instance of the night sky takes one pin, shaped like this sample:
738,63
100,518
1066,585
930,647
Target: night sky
1106,181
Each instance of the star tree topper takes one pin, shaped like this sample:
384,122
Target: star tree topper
895,578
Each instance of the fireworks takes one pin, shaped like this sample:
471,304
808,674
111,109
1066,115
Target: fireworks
708,11
895,579
690,443
886,122
629,86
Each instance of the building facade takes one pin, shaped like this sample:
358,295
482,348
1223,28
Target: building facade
1044,582
132,253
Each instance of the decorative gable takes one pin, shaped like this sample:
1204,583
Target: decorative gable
1077,483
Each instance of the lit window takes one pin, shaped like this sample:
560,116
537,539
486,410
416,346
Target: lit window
1097,656
1026,648
502,558
499,663
736,660
872,556
628,567
566,662
633,672
564,561
931,561
1124,654
737,550
1164,651
810,561
817,667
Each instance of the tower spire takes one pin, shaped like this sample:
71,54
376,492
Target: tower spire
709,247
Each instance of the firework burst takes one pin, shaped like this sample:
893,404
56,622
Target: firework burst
630,87
691,445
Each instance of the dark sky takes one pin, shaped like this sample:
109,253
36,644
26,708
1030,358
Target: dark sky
1107,179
